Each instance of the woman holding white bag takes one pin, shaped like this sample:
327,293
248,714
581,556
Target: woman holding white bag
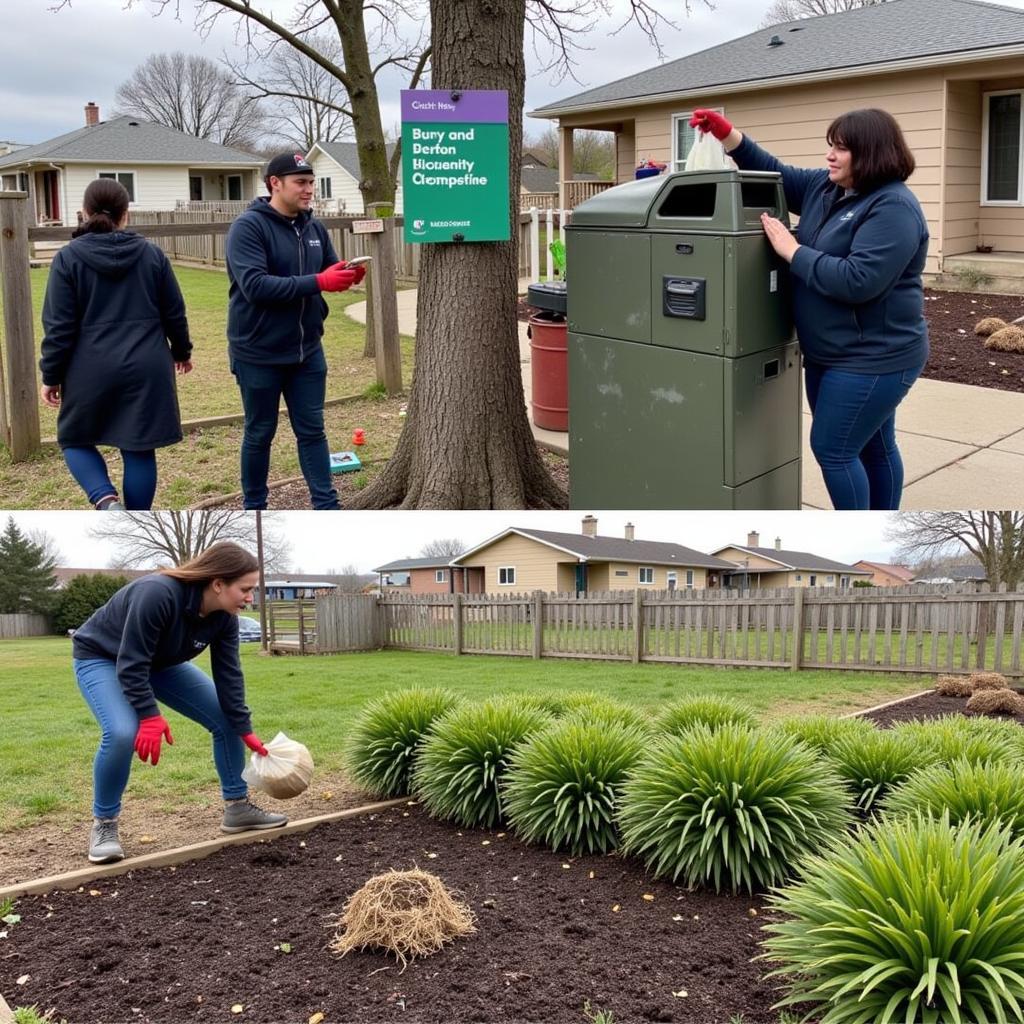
137,650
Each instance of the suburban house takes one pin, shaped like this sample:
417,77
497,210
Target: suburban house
950,71
966,572
518,560
538,183
296,587
336,165
754,567
160,167
429,576
885,575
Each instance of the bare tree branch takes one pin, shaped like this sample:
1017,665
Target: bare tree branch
793,10
443,547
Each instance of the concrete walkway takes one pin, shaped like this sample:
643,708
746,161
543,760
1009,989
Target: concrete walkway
962,446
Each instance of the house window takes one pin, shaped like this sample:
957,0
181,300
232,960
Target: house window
1001,148
235,187
621,572
830,579
507,576
672,579
844,581
646,574
325,188
812,580
195,187
440,576
798,577
689,579
683,137
126,178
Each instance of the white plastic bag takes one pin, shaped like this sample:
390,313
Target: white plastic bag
707,154
284,772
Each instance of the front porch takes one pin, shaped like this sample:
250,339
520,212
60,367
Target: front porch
1000,273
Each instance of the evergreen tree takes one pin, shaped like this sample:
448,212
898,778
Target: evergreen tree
27,582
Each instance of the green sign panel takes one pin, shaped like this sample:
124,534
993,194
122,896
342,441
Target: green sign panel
455,165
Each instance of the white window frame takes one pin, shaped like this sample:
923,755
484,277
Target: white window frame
241,187
440,575
671,580
830,579
844,581
679,159
798,577
202,186
689,579
509,572
985,201
116,175
325,193
812,579
640,575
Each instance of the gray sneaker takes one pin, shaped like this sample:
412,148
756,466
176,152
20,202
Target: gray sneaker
104,844
243,815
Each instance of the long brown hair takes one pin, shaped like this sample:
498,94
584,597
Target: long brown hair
105,203
224,560
876,143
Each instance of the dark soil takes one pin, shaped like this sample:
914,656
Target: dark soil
957,353
931,705
187,944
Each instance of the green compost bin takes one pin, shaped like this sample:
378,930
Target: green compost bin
684,374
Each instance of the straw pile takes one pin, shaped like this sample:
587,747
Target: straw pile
987,681
1006,339
991,702
953,686
988,326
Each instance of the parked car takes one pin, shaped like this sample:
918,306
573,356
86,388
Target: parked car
248,630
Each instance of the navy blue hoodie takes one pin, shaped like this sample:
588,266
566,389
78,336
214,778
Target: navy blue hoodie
115,326
858,298
275,309
154,623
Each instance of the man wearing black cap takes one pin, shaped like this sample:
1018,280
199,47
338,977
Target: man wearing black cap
279,261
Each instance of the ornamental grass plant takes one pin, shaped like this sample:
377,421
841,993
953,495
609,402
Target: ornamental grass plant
913,920
461,763
701,709
387,735
872,763
607,710
733,808
565,781
821,732
952,737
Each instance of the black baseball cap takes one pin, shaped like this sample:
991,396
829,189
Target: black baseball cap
287,163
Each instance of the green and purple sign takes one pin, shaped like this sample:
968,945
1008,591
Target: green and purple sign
455,165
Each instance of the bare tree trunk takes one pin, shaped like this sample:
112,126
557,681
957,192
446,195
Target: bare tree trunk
467,441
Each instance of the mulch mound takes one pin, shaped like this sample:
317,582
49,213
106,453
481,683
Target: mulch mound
957,353
931,705
250,927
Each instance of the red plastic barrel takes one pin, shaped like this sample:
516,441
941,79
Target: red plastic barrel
549,375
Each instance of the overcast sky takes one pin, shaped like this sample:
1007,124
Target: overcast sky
55,62
321,543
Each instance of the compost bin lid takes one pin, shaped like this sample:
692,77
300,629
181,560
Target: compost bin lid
549,295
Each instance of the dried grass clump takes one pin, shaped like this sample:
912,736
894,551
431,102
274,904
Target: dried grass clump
1006,339
988,681
989,325
953,686
408,913
993,702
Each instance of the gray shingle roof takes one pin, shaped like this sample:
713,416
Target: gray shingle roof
892,31
405,564
347,154
801,560
545,179
129,140
618,549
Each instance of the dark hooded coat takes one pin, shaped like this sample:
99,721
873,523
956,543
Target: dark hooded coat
115,326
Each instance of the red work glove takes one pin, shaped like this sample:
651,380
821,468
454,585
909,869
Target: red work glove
147,740
336,278
252,741
359,270
708,121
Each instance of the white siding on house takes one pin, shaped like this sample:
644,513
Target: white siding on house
157,187
1002,227
344,186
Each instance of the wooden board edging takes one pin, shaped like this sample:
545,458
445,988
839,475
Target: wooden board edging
887,704
181,854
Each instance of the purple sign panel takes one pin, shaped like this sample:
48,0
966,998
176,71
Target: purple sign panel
472,106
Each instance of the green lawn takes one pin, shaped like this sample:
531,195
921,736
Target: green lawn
206,462
49,736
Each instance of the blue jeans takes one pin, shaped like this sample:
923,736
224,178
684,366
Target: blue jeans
304,386
853,434
184,688
88,467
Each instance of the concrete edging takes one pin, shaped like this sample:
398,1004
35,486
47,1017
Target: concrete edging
181,854
887,704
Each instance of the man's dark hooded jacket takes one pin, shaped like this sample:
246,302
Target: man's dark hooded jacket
115,326
275,310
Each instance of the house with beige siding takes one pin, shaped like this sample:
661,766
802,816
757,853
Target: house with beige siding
755,567
950,71
519,560
161,168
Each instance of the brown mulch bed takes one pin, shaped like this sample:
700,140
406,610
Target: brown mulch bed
957,353
187,944
931,705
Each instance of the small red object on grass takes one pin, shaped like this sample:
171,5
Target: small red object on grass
359,436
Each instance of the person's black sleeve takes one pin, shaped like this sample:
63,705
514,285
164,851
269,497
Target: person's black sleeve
172,312
246,253
228,678
60,322
149,613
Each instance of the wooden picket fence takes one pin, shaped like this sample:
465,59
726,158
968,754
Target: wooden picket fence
921,629
19,625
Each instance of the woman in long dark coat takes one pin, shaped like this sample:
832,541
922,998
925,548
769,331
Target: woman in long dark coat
115,334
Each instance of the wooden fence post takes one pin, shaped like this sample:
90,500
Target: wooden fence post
302,630
384,298
538,623
19,417
798,629
638,625
457,622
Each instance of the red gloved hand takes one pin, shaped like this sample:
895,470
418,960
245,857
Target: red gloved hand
336,278
359,270
147,740
709,121
252,741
